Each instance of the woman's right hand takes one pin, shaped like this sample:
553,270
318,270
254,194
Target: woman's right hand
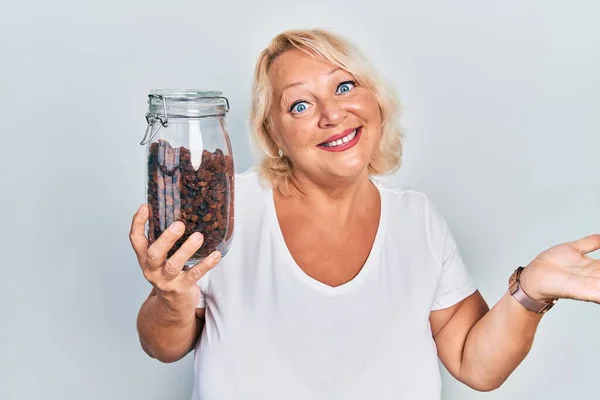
172,283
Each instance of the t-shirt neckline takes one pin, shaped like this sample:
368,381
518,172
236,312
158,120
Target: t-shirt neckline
369,265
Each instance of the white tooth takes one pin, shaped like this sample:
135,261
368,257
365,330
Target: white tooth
341,141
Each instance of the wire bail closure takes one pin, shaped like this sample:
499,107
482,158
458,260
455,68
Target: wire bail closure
151,118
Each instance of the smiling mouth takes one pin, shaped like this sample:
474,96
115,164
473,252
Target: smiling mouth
341,141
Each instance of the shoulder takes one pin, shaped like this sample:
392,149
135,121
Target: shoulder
251,194
250,182
249,176
412,208
403,197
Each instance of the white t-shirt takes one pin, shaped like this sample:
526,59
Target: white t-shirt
273,332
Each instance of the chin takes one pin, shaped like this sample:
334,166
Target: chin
347,165
353,169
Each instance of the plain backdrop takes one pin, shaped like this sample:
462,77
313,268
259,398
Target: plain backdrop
503,132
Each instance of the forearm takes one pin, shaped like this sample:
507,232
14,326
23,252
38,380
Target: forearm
497,344
166,332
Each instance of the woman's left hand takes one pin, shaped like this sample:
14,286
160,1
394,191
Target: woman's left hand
565,272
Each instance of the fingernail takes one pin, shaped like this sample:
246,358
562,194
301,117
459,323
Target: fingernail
215,255
139,211
177,227
197,237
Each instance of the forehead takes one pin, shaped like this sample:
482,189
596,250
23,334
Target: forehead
295,66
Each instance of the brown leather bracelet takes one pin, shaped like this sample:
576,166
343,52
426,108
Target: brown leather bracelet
514,285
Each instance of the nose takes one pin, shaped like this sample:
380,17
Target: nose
332,114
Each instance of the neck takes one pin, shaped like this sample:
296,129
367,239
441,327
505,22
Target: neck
332,197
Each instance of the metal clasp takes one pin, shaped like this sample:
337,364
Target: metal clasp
151,119
226,101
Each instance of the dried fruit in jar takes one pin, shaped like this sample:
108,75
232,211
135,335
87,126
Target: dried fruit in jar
202,199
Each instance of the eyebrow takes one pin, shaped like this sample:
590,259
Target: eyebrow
302,83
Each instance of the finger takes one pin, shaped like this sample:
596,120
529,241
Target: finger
587,244
137,237
157,252
175,263
195,273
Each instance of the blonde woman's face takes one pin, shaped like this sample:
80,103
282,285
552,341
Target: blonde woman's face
326,123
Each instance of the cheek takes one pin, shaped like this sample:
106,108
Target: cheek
296,133
374,111
366,107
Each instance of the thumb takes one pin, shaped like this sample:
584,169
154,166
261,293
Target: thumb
199,270
587,244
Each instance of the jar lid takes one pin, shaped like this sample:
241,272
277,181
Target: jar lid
187,103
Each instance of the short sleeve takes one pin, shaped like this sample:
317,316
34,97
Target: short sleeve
201,301
455,282
203,283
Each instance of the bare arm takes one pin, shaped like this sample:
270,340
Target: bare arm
482,348
168,334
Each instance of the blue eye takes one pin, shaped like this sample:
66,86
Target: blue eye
299,107
345,87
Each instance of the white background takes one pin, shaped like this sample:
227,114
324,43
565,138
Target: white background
501,111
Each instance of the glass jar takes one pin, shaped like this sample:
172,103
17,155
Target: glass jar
190,174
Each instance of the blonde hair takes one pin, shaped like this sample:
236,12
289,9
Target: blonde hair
338,51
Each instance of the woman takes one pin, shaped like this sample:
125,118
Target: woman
337,287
